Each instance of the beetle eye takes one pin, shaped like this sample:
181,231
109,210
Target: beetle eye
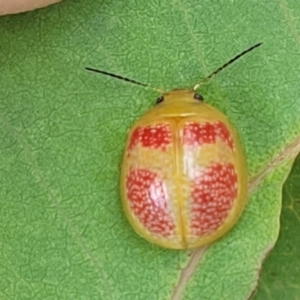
198,97
160,99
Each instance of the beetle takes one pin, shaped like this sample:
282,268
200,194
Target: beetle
184,172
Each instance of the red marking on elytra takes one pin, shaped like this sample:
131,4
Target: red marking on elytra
213,193
157,136
196,134
223,133
148,199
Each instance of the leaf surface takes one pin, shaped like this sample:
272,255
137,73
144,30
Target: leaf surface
63,130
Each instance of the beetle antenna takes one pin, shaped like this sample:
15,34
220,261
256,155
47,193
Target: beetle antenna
225,65
125,79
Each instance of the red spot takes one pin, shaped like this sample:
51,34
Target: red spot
156,136
195,134
148,199
213,193
223,133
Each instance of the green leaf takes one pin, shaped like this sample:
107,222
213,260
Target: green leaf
280,273
62,130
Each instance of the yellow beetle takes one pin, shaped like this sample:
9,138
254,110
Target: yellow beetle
184,174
